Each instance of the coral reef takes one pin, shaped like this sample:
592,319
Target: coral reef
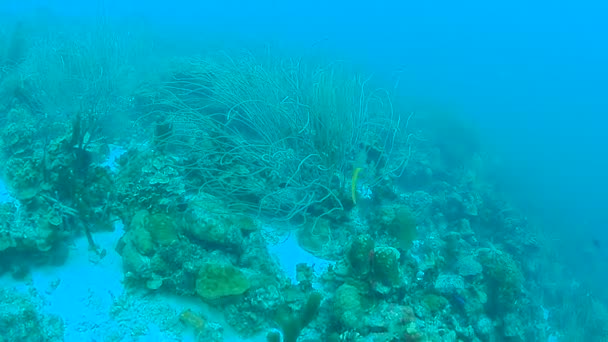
21,321
227,156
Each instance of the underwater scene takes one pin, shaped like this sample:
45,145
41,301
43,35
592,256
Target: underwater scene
324,171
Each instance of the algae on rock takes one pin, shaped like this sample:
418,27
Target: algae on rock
217,280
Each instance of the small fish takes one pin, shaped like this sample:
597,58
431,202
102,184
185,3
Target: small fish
460,300
353,185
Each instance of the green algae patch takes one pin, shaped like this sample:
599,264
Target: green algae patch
216,280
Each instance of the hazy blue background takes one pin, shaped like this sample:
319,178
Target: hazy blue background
532,77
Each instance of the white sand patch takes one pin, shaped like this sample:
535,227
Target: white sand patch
92,301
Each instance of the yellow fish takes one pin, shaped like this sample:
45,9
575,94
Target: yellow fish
353,185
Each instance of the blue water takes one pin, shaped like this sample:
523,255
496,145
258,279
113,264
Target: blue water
529,80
